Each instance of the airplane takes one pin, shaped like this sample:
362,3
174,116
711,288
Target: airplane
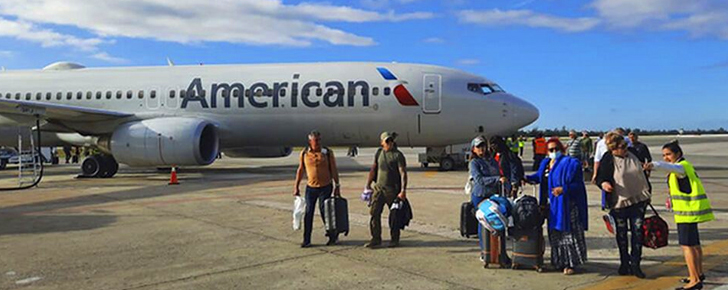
185,115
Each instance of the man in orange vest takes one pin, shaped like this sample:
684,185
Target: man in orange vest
539,150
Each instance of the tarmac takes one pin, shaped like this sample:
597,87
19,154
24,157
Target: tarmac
228,226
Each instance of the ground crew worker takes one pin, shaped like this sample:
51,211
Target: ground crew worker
389,174
513,144
539,151
319,164
690,205
521,145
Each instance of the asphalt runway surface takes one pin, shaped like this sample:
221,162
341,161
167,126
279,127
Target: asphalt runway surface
228,226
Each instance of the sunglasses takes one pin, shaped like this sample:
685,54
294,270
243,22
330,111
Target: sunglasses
553,149
389,141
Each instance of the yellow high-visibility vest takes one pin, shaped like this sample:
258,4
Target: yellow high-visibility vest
690,204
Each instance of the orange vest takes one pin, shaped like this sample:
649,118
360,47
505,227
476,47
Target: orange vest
540,146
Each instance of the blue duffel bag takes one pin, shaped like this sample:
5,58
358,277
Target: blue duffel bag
493,213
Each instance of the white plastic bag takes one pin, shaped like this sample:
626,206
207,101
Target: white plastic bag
469,186
299,208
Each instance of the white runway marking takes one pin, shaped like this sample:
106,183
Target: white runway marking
28,281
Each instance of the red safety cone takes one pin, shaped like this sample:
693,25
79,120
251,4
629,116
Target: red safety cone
173,179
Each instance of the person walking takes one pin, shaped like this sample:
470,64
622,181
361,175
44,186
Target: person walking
561,180
628,192
319,165
486,178
690,205
67,153
521,145
389,174
641,149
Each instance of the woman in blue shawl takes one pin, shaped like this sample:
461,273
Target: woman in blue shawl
562,181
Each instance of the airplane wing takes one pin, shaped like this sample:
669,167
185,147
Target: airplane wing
58,112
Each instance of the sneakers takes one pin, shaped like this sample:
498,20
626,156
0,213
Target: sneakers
305,245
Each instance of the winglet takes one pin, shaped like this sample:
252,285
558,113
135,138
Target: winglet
169,62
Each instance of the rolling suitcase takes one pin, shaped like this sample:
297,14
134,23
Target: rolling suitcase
468,222
528,241
528,249
493,249
336,215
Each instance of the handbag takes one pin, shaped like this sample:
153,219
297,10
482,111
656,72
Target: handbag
655,230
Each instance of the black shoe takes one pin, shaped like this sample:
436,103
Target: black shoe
305,245
695,287
624,270
638,272
332,241
687,280
393,244
372,244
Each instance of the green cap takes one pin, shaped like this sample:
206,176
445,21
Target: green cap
387,135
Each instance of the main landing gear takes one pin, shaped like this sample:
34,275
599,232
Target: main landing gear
99,166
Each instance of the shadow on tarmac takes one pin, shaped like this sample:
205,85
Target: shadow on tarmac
37,224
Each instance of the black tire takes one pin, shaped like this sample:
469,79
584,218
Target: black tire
425,165
109,166
92,166
3,164
447,164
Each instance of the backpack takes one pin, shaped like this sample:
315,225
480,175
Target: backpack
527,213
493,213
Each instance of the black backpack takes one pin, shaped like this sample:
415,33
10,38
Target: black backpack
527,213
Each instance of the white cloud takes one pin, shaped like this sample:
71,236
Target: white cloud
6,54
258,22
434,40
47,38
497,17
696,17
469,61
108,58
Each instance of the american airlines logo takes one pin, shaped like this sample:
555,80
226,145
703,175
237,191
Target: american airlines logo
311,94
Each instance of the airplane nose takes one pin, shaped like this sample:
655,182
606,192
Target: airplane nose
524,113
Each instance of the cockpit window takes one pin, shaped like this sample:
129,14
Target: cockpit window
484,88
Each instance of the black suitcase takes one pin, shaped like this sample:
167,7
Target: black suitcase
336,215
528,243
494,249
468,222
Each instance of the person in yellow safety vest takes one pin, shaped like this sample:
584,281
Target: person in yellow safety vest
513,144
521,145
691,207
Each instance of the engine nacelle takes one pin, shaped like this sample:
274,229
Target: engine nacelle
258,152
165,141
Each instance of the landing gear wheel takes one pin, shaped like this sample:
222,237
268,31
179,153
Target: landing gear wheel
109,166
447,164
91,166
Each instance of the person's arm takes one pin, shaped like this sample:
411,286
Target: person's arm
480,178
334,173
299,177
403,173
604,175
373,171
669,167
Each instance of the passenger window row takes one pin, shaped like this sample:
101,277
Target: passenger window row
153,94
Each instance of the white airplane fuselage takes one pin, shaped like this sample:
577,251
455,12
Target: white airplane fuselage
276,105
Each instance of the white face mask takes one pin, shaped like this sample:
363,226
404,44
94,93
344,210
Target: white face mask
554,155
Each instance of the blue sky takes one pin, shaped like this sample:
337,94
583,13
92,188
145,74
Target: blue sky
592,64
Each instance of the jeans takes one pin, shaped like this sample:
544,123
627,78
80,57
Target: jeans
312,194
632,217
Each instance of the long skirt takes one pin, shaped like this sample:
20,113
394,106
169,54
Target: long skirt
568,249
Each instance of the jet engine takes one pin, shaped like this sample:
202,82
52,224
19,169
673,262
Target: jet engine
165,141
258,152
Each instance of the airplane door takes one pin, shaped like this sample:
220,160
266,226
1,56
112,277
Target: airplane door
432,94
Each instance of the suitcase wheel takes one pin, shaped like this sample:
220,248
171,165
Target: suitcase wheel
485,265
539,269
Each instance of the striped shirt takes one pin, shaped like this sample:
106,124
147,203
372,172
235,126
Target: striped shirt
574,148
